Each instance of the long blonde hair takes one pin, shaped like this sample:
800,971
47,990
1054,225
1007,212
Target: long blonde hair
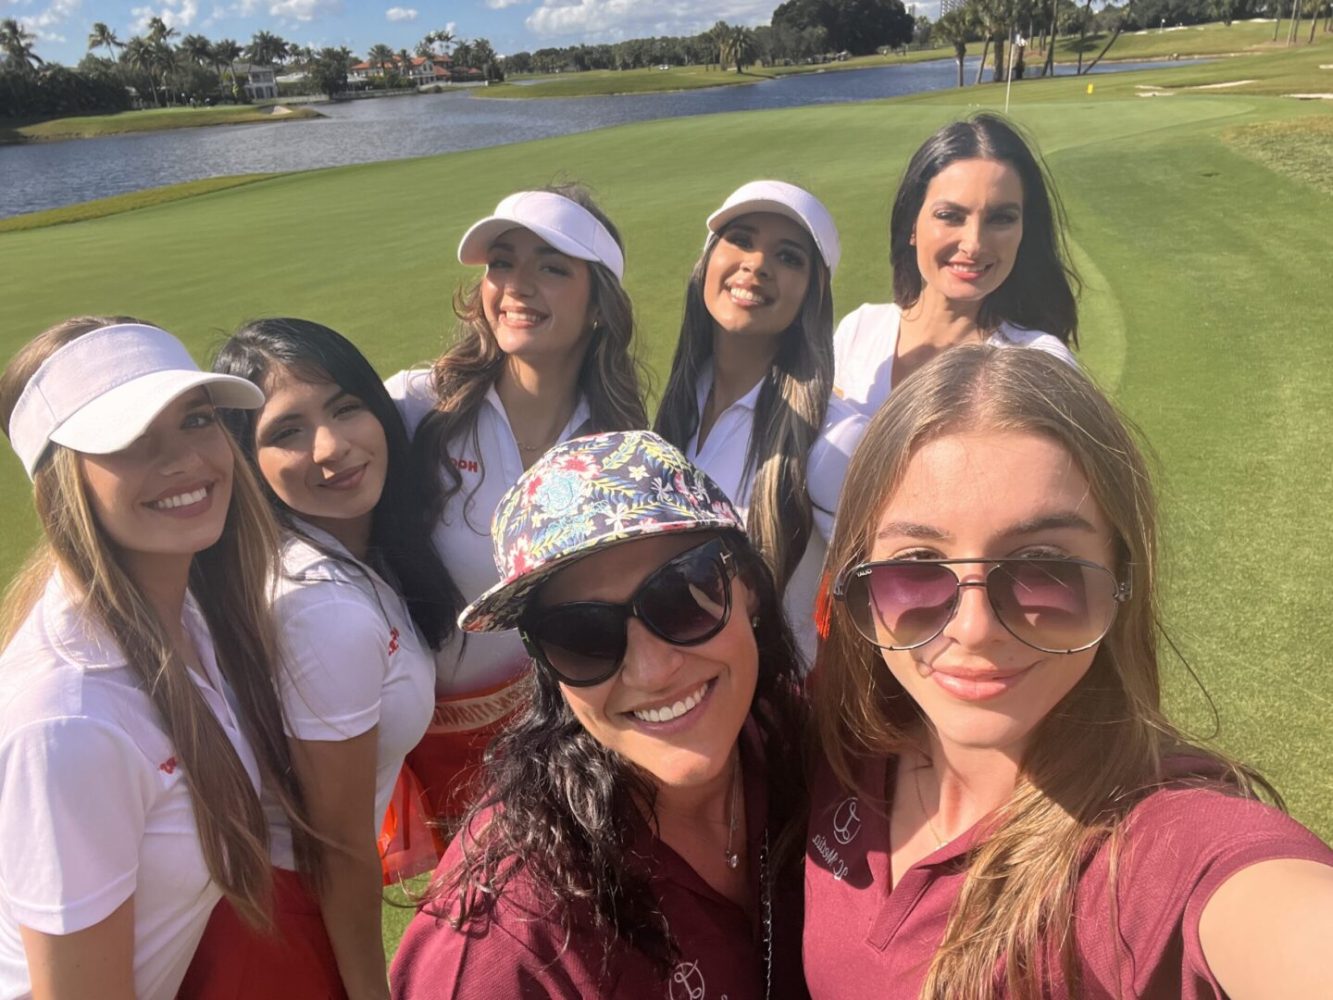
1094,756
228,582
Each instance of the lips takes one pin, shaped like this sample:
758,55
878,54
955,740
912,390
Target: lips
977,685
967,270
746,296
520,316
183,502
346,480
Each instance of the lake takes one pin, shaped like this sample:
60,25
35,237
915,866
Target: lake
48,175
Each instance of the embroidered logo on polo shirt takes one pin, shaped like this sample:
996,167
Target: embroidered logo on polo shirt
466,464
168,766
846,823
393,641
687,982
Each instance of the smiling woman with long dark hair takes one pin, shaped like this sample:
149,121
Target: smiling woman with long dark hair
977,244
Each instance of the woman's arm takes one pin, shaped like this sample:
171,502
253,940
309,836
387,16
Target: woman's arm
1266,931
339,782
97,961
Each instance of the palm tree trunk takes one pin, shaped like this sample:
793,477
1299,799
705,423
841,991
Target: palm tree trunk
985,47
960,53
1083,35
1049,68
1114,35
1000,72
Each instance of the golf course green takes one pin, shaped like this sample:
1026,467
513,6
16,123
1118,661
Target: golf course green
1196,218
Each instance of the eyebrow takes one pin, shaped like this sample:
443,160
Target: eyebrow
292,415
542,249
1031,526
947,203
752,230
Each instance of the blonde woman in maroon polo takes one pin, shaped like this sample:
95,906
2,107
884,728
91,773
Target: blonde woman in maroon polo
1003,809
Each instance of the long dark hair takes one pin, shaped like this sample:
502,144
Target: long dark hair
611,378
1040,292
400,533
787,418
565,805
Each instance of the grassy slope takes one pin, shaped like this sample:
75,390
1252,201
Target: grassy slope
1206,315
151,120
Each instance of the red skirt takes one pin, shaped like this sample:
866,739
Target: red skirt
296,962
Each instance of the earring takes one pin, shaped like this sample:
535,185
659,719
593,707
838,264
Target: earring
912,239
754,621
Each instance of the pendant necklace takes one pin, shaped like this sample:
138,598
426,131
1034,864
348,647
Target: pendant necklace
921,801
731,857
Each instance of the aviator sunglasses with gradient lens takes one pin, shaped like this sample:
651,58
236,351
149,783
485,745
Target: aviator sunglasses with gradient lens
685,601
1053,605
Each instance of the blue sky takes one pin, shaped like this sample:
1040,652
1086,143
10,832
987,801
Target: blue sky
62,26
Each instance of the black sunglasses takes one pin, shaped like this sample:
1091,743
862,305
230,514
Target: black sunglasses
685,601
1052,605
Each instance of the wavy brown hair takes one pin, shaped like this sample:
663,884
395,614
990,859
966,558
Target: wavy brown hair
611,379
227,581
1098,752
787,417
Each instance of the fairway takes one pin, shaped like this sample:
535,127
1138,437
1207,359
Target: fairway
1207,313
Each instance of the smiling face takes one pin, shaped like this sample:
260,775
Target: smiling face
968,230
989,494
758,274
717,677
536,299
322,452
167,494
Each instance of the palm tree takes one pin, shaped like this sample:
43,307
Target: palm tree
198,49
16,42
737,46
102,37
382,56
444,38
266,48
955,28
226,52
405,62
139,55
1119,26
158,31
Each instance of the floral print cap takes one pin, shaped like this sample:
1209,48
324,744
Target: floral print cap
581,496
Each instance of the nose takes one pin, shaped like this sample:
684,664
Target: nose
650,663
969,241
180,454
756,262
327,445
974,624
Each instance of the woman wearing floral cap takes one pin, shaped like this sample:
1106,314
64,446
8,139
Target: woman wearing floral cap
543,354
633,840
748,398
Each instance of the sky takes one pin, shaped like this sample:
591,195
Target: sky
62,26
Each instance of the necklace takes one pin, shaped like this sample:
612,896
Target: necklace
530,448
733,858
921,801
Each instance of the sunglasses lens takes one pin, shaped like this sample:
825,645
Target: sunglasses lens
902,604
583,643
688,600
1053,604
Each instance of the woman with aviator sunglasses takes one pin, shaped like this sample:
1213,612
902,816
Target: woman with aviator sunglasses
631,841
1004,808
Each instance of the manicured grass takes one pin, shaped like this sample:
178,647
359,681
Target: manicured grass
134,200
1206,314
151,120
1187,42
1301,147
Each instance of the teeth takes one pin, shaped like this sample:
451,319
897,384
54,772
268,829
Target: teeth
522,316
745,295
181,499
669,712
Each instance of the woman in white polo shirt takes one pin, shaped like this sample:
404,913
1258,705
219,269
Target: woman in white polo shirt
543,353
361,602
748,396
977,244
132,749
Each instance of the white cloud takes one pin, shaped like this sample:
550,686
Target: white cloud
174,14
401,14
608,20
303,10
42,25
502,4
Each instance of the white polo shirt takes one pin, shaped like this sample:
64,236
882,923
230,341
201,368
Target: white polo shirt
94,807
866,341
489,465
353,659
723,458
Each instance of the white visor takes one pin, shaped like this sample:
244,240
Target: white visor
781,198
562,223
101,391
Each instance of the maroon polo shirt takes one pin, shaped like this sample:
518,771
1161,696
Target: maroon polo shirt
520,953
865,940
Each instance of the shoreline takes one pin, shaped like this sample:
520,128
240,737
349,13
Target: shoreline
11,133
